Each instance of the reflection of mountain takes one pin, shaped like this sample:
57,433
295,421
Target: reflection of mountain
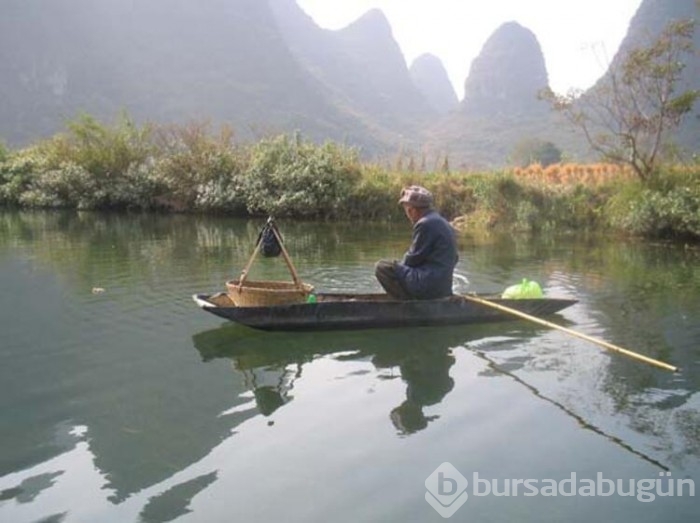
89,372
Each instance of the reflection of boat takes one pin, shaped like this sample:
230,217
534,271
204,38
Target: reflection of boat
272,362
362,311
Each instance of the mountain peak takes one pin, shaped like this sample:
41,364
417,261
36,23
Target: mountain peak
507,74
372,27
430,77
374,20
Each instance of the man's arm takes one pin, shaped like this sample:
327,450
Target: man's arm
420,247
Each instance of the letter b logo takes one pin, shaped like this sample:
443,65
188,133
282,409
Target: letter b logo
446,486
446,490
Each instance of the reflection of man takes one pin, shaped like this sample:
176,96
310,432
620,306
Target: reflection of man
426,269
426,373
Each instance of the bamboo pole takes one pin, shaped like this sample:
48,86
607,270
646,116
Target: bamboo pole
295,276
290,265
601,343
244,273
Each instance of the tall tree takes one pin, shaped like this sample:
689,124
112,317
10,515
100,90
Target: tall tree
627,117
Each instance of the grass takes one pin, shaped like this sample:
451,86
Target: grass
193,168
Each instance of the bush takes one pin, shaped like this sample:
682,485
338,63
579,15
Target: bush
197,170
576,207
70,185
91,167
189,168
667,207
290,177
454,194
653,213
18,171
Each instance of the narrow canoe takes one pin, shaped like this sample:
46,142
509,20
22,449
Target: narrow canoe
365,311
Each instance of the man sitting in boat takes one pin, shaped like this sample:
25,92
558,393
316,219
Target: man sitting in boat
426,269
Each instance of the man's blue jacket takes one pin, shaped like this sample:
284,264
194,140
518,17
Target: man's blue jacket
426,269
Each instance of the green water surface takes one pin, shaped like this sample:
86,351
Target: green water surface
121,401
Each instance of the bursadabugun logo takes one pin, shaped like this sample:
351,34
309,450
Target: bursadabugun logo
447,490
447,487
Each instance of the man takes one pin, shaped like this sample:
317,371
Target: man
426,269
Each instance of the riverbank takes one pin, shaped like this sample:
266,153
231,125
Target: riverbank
192,169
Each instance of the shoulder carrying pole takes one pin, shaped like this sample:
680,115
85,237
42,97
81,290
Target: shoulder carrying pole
295,276
290,265
244,273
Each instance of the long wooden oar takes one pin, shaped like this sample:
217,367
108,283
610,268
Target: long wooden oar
586,337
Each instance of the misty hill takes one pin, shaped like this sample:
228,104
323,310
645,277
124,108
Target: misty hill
264,67
161,60
507,75
430,77
361,65
647,23
500,107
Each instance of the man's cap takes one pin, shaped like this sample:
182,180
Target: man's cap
416,196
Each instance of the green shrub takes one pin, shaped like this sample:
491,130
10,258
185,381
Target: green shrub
17,173
651,213
290,177
105,152
189,168
70,185
375,195
576,207
91,166
669,207
197,170
454,194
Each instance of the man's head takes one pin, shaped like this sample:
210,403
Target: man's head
416,202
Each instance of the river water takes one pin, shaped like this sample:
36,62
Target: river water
122,401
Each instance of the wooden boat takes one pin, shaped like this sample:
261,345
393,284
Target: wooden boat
365,311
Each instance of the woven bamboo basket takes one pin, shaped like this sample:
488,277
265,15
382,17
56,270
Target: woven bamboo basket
267,293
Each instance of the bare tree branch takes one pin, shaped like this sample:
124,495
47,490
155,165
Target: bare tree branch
628,117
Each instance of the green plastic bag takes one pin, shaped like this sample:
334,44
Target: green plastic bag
526,289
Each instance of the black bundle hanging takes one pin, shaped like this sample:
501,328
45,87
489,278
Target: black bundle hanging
266,293
269,245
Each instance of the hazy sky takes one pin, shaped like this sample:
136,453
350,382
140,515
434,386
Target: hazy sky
578,38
